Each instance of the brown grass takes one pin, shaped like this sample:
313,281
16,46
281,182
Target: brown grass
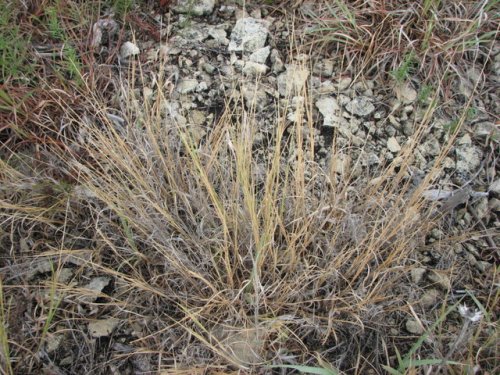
220,254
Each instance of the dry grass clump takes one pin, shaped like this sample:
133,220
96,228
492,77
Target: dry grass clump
212,251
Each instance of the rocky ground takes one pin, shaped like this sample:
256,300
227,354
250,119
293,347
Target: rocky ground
214,52
197,58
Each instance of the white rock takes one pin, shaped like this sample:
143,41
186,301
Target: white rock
128,49
254,69
326,87
360,106
194,33
255,97
96,285
187,86
102,327
323,68
468,158
440,279
195,7
414,327
437,194
344,83
431,146
393,145
486,129
372,159
417,274
494,205
330,109
260,56
277,64
495,186
293,80
249,34
52,342
202,86
465,140
406,94
197,117
65,275
219,35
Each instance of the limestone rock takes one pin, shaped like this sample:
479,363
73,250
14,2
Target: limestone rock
495,186
195,7
414,327
360,106
187,86
440,279
330,109
417,274
128,49
406,94
293,80
260,56
393,145
468,158
249,34
254,69
102,327
254,96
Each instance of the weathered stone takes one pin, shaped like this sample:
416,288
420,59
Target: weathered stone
417,274
406,94
219,35
465,140
249,34
414,327
197,117
323,68
102,327
194,33
254,69
195,7
431,147
468,158
393,145
255,97
495,187
330,109
344,83
360,106
486,129
260,56
128,49
209,68
187,86
482,207
293,80
440,279
278,65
